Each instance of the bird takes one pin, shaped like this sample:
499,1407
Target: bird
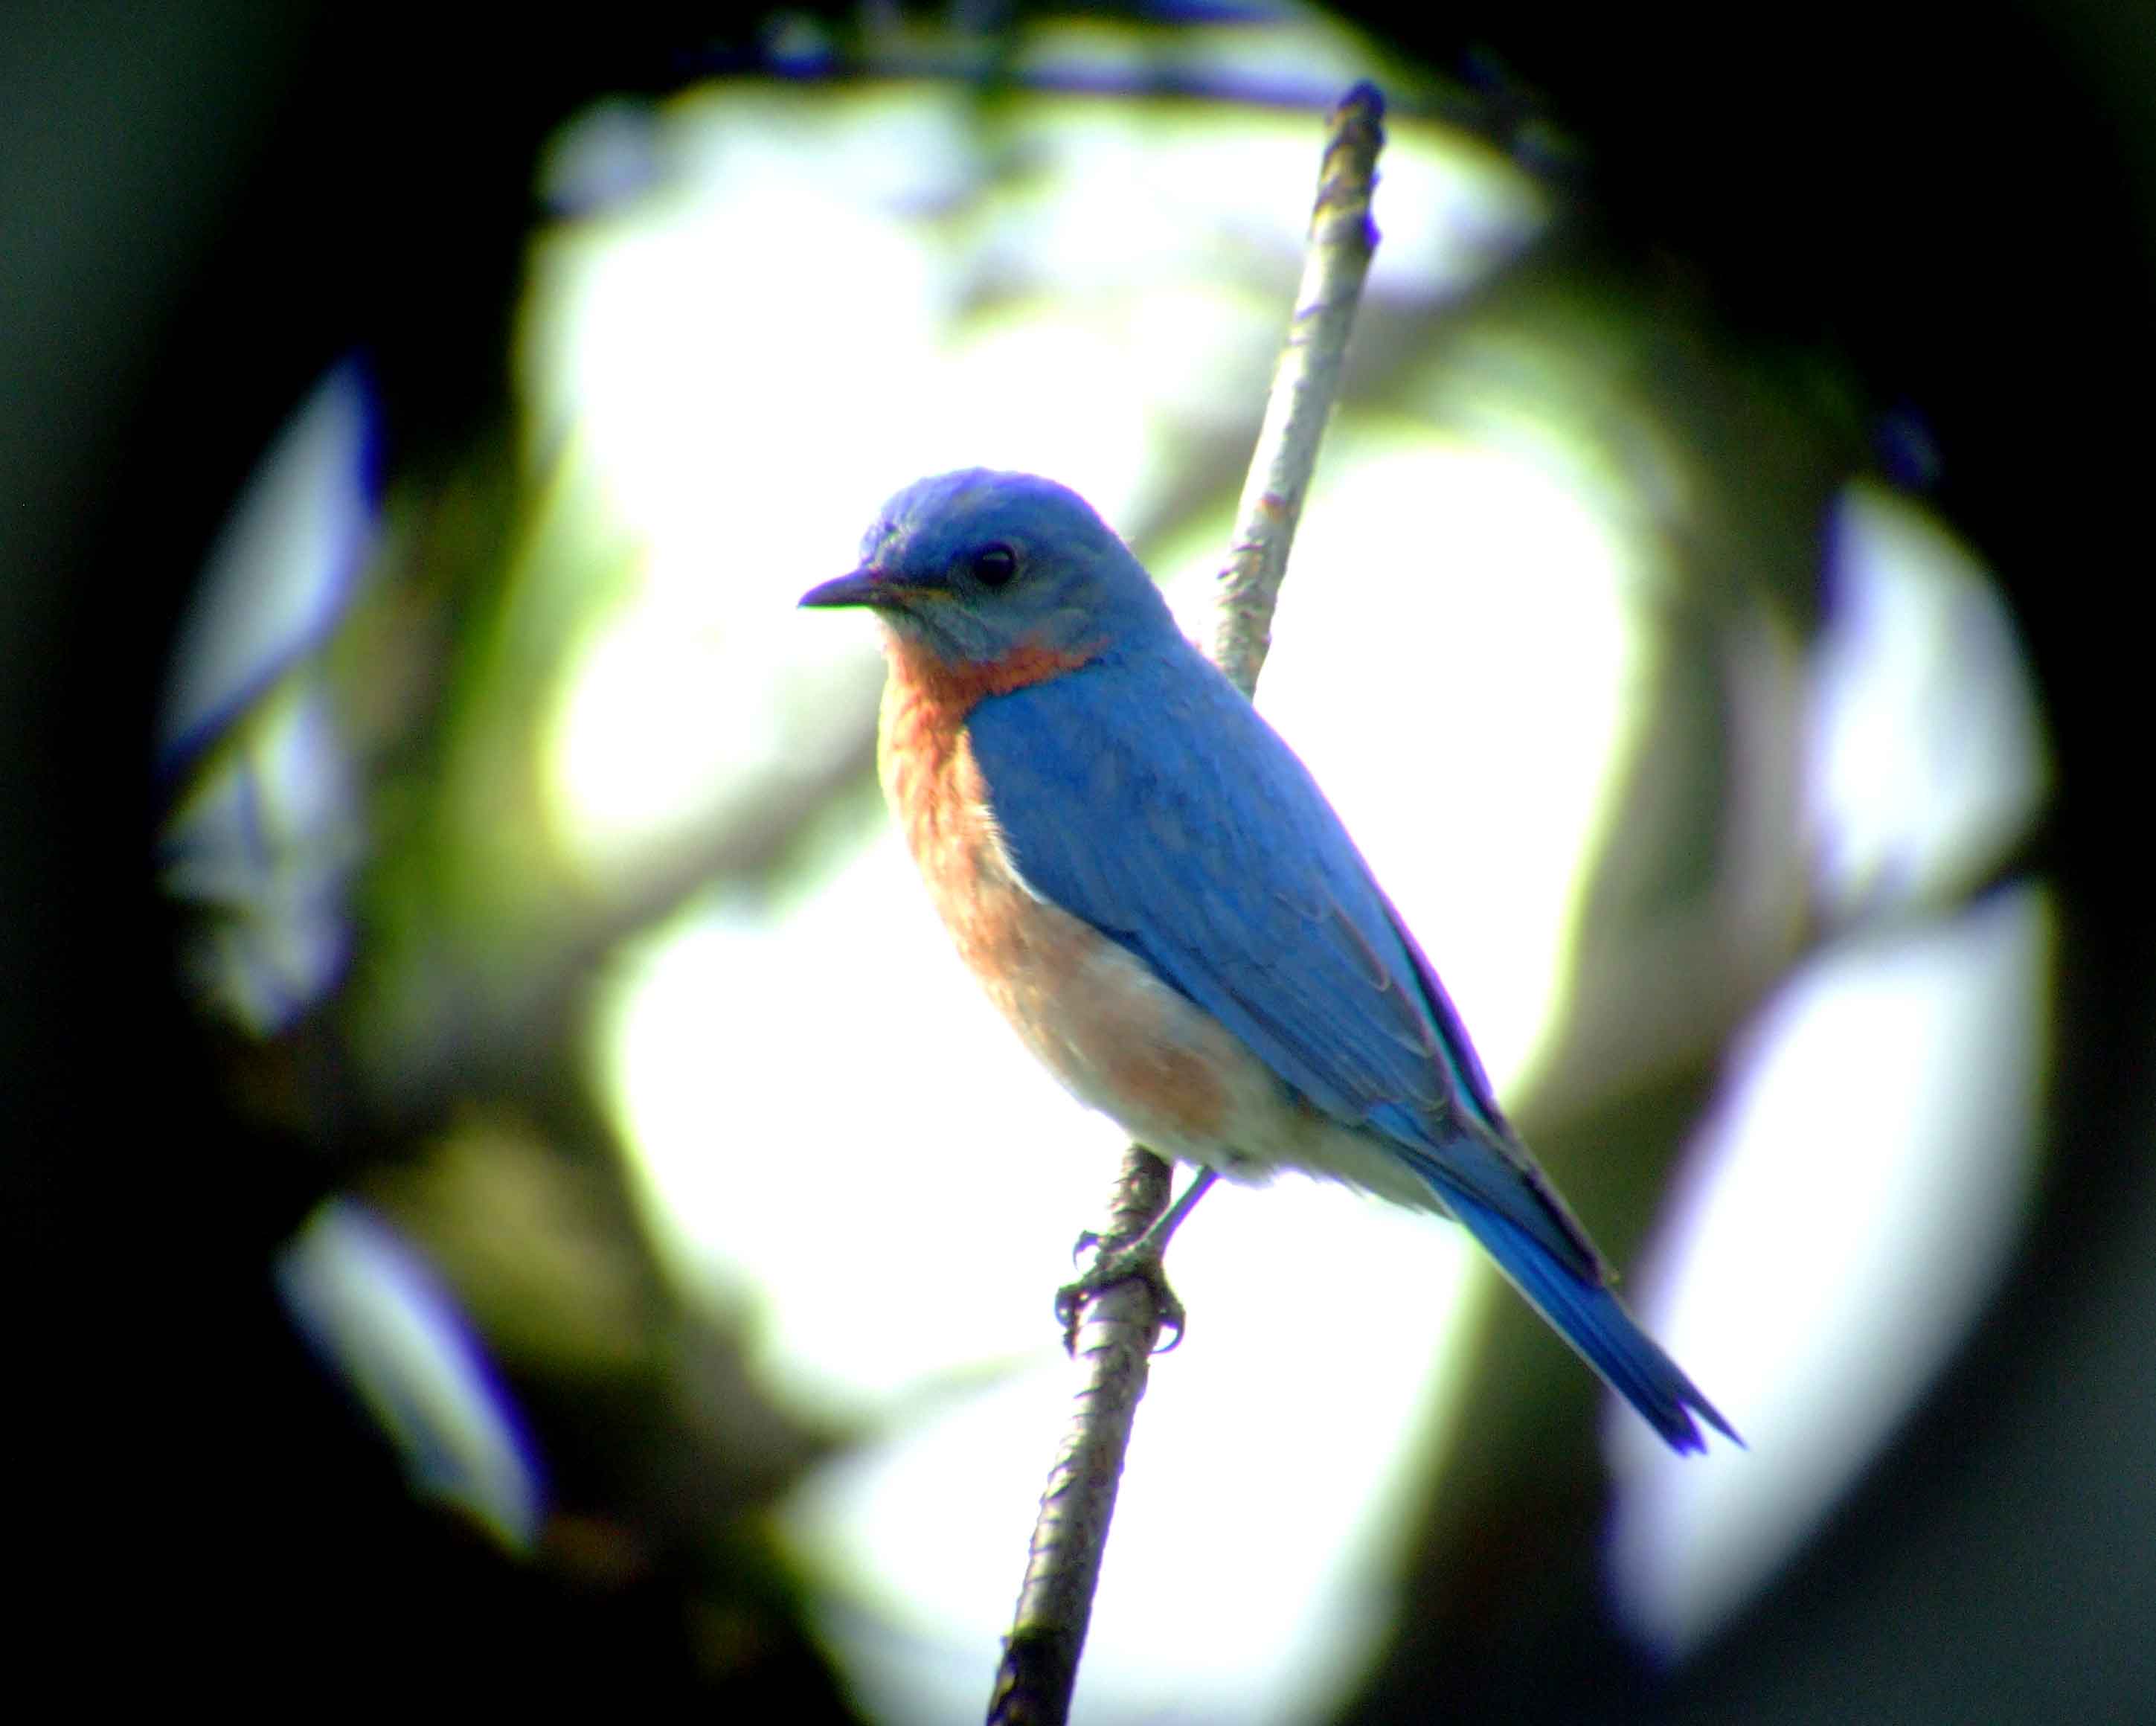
1151,887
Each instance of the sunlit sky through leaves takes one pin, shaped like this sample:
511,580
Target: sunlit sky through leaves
806,298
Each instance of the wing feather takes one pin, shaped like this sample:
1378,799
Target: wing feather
1186,831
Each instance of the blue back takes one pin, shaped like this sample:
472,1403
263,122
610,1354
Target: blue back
1146,796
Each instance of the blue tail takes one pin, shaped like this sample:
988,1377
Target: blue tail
1587,1316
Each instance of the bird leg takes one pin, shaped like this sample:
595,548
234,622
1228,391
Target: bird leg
1139,1259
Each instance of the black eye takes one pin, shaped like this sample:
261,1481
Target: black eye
994,565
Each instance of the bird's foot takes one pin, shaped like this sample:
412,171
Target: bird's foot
1139,1261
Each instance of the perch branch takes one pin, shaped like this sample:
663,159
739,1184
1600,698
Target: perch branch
1120,1326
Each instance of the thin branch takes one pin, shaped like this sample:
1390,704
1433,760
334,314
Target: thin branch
1120,1327
1337,257
1116,1340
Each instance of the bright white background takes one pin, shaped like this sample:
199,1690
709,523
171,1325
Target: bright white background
831,1129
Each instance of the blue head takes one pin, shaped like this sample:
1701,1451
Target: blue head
975,565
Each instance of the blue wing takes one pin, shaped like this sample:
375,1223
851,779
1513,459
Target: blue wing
1229,874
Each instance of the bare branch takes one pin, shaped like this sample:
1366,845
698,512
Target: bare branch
1116,1342
1120,1326
1337,258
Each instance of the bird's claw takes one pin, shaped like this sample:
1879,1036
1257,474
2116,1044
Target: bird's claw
1140,1262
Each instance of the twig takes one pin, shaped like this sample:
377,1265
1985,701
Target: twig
1337,257
1115,1342
1122,1325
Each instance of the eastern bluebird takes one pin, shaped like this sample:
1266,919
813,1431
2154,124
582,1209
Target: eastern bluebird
1151,887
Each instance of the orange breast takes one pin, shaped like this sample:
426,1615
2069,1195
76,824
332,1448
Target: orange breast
1114,1033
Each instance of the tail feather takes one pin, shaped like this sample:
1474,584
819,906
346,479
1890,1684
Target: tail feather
1588,1316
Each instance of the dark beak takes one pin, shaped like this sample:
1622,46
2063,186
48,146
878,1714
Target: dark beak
866,586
